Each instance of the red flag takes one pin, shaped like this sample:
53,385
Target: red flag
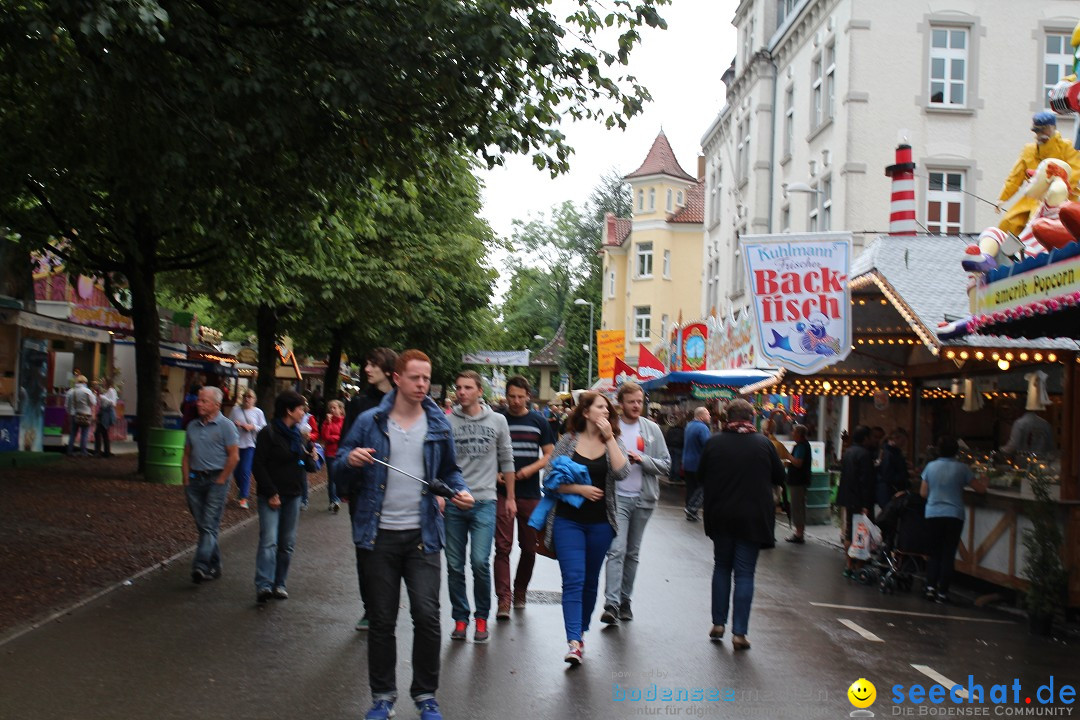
622,372
648,366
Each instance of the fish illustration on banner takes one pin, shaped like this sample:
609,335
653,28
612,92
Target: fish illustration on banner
802,302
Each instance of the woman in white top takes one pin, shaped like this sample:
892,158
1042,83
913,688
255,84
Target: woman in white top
106,417
80,408
249,421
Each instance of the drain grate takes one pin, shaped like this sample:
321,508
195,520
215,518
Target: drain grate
544,597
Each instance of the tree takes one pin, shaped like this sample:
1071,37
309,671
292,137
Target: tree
136,135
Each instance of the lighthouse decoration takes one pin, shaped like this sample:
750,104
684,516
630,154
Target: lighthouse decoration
902,209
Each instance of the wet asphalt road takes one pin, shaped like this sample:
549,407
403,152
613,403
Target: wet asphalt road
164,648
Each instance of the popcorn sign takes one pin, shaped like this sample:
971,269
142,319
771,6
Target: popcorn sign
802,303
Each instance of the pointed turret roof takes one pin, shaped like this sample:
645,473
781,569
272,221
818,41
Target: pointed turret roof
661,161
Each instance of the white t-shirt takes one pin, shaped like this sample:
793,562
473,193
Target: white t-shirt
255,417
630,434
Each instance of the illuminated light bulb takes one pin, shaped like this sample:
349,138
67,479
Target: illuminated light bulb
1008,356
979,355
995,356
1003,364
1051,357
963,355
1023,356
1038,357
827,386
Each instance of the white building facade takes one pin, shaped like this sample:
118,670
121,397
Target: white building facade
822,91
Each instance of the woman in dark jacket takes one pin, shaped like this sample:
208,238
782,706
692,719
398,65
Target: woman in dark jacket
738,469
282,460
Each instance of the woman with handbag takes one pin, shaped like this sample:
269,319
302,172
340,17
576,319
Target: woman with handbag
582,535
80,408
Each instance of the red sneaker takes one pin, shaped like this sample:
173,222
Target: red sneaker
481,635
459,630
575,655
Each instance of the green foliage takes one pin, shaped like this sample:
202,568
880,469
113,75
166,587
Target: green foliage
1043,568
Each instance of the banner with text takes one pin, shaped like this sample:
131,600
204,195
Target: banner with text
502,358
609,345
1040,284
801,298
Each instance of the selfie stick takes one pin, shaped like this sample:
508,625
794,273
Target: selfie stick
437,488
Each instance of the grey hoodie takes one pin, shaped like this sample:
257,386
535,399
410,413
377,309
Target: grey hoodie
482,446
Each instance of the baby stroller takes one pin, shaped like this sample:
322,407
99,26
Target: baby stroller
904,543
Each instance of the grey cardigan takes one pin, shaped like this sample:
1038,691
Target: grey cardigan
568,444
655,461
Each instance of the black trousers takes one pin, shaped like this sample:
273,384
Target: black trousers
399,554
101,437
944,538
695,491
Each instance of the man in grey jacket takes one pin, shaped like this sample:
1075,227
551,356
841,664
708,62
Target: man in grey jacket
635,499
482,444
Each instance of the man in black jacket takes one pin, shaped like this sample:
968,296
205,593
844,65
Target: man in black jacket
379,369
858,486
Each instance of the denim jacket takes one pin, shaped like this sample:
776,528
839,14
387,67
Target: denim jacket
368,483
561,471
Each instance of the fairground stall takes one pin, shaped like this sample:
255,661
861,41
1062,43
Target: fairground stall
998,395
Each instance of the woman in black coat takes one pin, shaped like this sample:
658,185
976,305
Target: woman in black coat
739,467
280,466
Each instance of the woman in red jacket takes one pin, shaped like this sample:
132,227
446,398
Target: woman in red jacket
331,435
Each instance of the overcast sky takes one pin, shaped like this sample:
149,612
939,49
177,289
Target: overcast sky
681,67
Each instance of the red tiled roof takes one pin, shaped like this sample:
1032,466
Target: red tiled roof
694,209
661,161
616,230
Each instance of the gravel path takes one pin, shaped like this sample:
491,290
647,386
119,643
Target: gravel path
70,528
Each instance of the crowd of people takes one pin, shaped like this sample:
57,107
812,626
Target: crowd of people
91,408
420,482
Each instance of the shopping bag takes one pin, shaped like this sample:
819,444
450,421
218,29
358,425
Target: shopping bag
863,540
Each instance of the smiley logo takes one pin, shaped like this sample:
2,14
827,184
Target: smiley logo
862,693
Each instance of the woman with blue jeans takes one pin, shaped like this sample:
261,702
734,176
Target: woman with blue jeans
738,469
283,458
249,422
581,535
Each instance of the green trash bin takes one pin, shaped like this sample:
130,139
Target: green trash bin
817,499
164,455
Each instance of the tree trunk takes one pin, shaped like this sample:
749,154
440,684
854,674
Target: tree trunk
332,379
266,327
147,326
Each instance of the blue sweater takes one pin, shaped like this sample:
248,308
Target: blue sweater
697,433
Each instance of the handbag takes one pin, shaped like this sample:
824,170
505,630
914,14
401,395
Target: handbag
83,419
542,546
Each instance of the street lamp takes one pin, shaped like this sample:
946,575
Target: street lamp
581,301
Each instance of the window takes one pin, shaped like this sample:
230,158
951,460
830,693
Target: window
668,205
667,263
783,9
737,274
641,200
611,284
948,66
748,43
663,326
742,152
826,204
644,259
814,213
815,92
679,199
714,196
652,199
789,120
830,81
1057,62
945,202
823,87
642,323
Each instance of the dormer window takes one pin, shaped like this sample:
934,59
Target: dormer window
679,199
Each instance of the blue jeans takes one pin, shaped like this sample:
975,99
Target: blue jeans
580,548
277,536
331,490
242,473
399,555
738,557
83,431
206,501
478,525
622,557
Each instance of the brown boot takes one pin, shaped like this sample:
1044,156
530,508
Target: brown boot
503,613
